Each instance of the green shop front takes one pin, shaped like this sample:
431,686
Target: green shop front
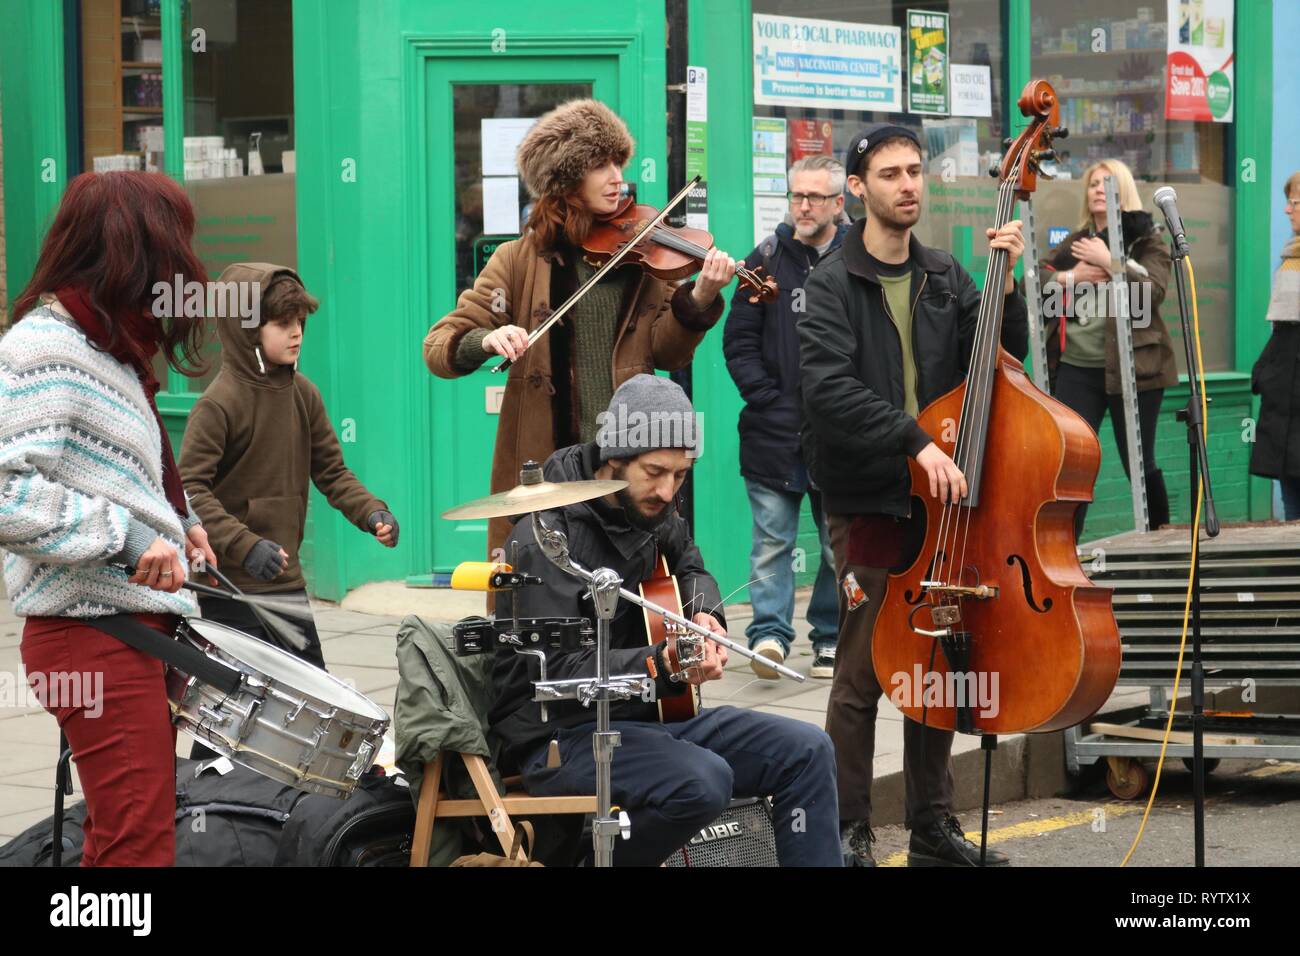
370,145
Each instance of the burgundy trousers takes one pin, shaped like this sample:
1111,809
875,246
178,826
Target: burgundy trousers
111,702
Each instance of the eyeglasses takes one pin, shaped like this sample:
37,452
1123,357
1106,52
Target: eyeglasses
1292,203
815,200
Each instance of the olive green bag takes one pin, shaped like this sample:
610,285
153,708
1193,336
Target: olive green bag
442,704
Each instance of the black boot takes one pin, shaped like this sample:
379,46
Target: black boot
1157,500
856,838
943,843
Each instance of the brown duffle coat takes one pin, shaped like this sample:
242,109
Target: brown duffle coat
659,328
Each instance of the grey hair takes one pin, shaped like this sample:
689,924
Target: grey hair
816,164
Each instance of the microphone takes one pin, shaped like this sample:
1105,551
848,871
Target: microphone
1167,200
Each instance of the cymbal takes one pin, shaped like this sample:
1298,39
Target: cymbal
539,496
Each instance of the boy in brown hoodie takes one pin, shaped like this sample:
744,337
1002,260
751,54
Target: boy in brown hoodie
254,438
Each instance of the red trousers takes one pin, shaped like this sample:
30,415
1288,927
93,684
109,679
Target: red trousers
111,702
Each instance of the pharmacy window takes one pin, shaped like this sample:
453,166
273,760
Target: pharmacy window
1117,68
239,167
824,69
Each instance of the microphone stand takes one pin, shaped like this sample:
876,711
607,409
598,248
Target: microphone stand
1198,467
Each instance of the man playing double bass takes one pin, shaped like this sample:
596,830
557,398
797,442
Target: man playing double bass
889,328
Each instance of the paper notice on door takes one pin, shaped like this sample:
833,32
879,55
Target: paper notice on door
769,211
501,205
500,139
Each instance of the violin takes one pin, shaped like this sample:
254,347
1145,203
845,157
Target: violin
665,252
637,233
996,611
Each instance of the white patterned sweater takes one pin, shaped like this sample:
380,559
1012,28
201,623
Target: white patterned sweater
81,492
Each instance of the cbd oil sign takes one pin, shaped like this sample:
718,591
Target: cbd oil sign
827,64
927,62
1198,70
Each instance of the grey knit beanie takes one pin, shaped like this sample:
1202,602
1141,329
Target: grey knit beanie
647,413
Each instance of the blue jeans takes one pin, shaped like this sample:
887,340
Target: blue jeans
771,570
675,779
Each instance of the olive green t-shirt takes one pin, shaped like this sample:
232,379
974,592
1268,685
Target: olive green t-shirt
1085,338
896,280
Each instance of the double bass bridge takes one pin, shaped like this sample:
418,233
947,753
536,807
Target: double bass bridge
946,615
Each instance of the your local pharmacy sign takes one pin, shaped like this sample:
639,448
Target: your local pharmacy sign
827,64
1198,70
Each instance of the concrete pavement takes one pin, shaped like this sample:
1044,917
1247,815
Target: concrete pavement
358,638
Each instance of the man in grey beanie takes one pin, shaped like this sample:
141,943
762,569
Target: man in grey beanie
671,778
647,413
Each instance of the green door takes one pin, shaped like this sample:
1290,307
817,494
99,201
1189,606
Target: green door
397,209
477,110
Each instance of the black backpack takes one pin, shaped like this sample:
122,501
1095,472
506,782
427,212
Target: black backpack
35,845
375,826
241,818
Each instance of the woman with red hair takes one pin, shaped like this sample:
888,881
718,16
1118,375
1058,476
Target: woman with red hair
89,488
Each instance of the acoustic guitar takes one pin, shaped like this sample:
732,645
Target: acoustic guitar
685,648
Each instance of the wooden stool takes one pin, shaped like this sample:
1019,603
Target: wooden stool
488,803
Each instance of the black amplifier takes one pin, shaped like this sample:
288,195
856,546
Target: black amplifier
742,836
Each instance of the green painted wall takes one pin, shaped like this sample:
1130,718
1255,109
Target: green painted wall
35,137
372,89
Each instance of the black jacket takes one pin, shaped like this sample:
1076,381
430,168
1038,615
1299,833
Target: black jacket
762,350
1276,380
856,434
599,537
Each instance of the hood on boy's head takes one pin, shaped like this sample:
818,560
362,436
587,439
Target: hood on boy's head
239,334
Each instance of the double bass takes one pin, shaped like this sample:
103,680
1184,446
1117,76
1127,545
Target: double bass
996,598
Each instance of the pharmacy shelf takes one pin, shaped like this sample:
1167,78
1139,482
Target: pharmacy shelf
1035,57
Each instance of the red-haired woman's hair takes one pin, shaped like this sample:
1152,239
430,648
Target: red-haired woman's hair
559,217
116,235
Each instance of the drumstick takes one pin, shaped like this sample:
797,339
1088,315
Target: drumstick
268,604
284,631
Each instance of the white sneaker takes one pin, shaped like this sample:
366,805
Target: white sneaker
772,649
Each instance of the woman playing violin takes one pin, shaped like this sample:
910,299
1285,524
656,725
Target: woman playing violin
628,323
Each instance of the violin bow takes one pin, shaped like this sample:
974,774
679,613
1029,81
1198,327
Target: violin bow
614,260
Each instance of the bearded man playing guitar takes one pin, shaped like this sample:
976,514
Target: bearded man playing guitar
671,777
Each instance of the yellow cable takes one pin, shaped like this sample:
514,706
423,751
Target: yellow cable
1191,574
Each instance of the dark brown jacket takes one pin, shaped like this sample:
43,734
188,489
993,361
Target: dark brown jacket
1153,352
254,438
659,328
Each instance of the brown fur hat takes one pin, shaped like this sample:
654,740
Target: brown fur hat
567,143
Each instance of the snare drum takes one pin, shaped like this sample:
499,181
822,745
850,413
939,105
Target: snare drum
289,720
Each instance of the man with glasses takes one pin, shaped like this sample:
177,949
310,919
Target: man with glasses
762,351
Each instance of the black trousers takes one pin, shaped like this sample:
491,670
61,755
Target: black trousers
1084,390
240,616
